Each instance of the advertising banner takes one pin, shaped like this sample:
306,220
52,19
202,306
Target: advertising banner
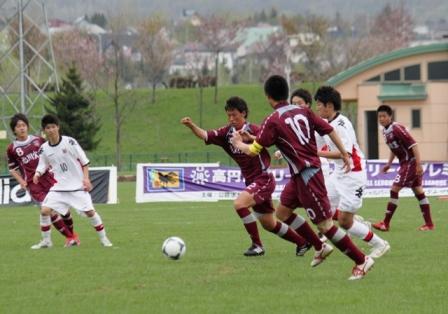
212,182
104,181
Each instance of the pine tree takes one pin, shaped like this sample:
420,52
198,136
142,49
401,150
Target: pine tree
77,115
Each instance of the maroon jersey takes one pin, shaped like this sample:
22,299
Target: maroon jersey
291,128
251,167
399,141
23,157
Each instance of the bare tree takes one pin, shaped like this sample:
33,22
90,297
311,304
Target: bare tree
217,33
156,50
392,27
273,54
67,48
112,83
310,34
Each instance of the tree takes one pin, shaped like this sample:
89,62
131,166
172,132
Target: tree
217,33
98,19
273,54
112,82
156,50
67,47
393,27
77,115
310,33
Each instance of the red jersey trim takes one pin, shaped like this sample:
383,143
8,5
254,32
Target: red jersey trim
356,160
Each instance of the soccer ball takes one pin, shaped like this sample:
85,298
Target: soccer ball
174,248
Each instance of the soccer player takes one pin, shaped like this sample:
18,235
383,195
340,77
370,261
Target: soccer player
70,167
404,147
288,199
291,128
259,183
23,157
345,189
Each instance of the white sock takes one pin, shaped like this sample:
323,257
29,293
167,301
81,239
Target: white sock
358,230
361,231
45,227
97,223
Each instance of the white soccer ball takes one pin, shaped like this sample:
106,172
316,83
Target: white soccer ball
174,248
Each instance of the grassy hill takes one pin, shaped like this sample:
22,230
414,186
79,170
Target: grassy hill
153,133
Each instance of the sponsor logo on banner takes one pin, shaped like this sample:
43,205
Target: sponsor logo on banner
12,194
165,179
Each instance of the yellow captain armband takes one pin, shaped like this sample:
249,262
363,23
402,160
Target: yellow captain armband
255,148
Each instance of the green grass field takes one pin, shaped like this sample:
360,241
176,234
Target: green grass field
213,276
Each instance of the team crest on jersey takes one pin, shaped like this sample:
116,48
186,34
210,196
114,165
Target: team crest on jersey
64,151
162,179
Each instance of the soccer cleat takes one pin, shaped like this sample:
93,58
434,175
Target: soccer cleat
76,238
379,250
321,255
359,271
301,250
426,227
105,242
381,225
43,244
254,250
69,242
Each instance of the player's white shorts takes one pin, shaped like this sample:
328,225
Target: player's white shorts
63,201
345,190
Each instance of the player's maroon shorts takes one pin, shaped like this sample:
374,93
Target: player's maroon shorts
310,188
289,196
407,175
262,189
40,190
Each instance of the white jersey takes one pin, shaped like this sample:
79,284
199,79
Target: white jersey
344,129
65,160
322,146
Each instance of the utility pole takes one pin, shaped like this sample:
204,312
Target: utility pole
27,65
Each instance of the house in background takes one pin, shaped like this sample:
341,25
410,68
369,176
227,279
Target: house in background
414,82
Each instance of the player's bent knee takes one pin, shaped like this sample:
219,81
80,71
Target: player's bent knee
46,211
90,213
325,225
282,213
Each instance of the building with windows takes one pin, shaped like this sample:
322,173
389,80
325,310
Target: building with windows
414,82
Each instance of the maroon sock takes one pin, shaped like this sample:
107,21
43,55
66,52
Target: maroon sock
68,221
285,232
391,207
250,223
342,241
59,224
306,232
425,209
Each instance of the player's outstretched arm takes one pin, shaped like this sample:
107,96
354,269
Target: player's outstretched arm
248,149
344,155
200,133
329,154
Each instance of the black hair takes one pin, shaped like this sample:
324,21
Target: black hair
238,104
276,88
16,118
49,119
304,94
328,94
385,108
